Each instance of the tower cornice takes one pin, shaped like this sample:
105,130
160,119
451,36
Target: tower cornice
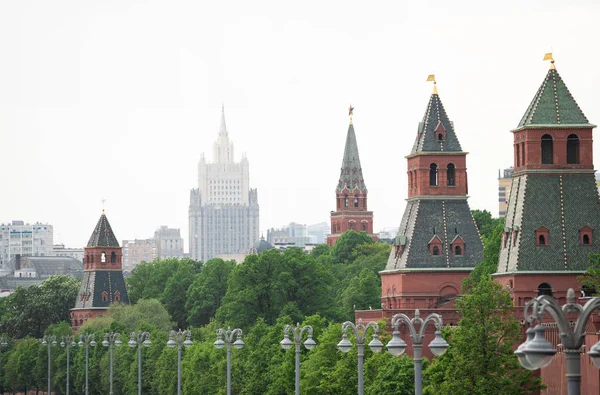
436,153
555,126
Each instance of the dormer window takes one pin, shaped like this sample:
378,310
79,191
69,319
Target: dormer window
105,296
541,236
585,236
458,251
117,296
458,246
435,246
435,250
440,132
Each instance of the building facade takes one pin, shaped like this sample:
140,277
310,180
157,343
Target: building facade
351,209
223,211
504,185
318,232
103,282
62,251
19,238
137,251
169,243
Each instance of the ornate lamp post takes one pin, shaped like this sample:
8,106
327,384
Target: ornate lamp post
176,339
537,352
397,346
136,340
68,341
3,344
110,340
47,341
286,344
219,343
360,331
86,340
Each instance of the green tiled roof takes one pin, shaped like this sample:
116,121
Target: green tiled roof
103,235
435,116
351,172
553,104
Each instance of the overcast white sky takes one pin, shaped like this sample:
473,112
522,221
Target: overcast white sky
118,99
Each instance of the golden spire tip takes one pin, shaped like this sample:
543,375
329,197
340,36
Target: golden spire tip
549,57
350,113
431,77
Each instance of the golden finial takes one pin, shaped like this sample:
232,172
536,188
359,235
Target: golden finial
350,113
549,57
431,77
103,201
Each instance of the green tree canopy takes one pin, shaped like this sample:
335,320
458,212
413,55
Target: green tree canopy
344,246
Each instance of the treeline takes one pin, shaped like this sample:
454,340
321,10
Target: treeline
260,296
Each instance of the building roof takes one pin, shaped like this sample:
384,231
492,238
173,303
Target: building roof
434,121
96,283
103,235
351,176
46,266
553,104
262,245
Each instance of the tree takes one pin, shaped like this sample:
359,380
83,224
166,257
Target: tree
174,295
145,315
481,355
591,278
485,223
205,294
345,245
491,253
362,293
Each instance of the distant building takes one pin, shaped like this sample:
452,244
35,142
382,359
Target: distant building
504,183
32,270
136,251
224,211
61,250
19,238
388,234
169,243
318,232
294,233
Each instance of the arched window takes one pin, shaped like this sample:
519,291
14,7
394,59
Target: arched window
105,296
458,251
523,159
450,174
547,150
113,257
573,150
542,240
92,258
518,154
364,227
351,225
355,201
433,175
586,240
545,289
436,250
117,296
103,257
346,201
410,180
440,137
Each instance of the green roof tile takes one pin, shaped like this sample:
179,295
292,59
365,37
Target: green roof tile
351,172
103,235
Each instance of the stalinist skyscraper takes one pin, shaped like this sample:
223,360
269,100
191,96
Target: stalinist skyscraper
223,213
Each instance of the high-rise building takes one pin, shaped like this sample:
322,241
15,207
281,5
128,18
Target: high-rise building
318,232
351,211
504,184
103,281
19,238
224,211
137,251
293,234
169,243
438,243
61,250
553,213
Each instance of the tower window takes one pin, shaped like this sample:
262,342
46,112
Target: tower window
364,227
433,175
586,240
351,225
346,201
518,154
450,175
542,240
113,257
541,236
585,236
435,250
545,289
355,201
440,137
104,296
103,257
458,251
547,149
573,150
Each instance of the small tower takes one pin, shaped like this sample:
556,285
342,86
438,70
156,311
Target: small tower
553,213
438,243
103,281
351,211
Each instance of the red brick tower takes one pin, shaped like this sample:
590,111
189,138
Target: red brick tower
103,281
553,211
351,194
438,244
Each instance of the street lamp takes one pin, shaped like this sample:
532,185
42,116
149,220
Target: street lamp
68,341
360,332
537,352
219,343
136,340
176,339
86,340
286,344
47,341
397,346
3,344
110,340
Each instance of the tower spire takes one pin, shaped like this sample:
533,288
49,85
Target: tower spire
223,129
431,77
549,57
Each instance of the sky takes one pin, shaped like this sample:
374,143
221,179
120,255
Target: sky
117,100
